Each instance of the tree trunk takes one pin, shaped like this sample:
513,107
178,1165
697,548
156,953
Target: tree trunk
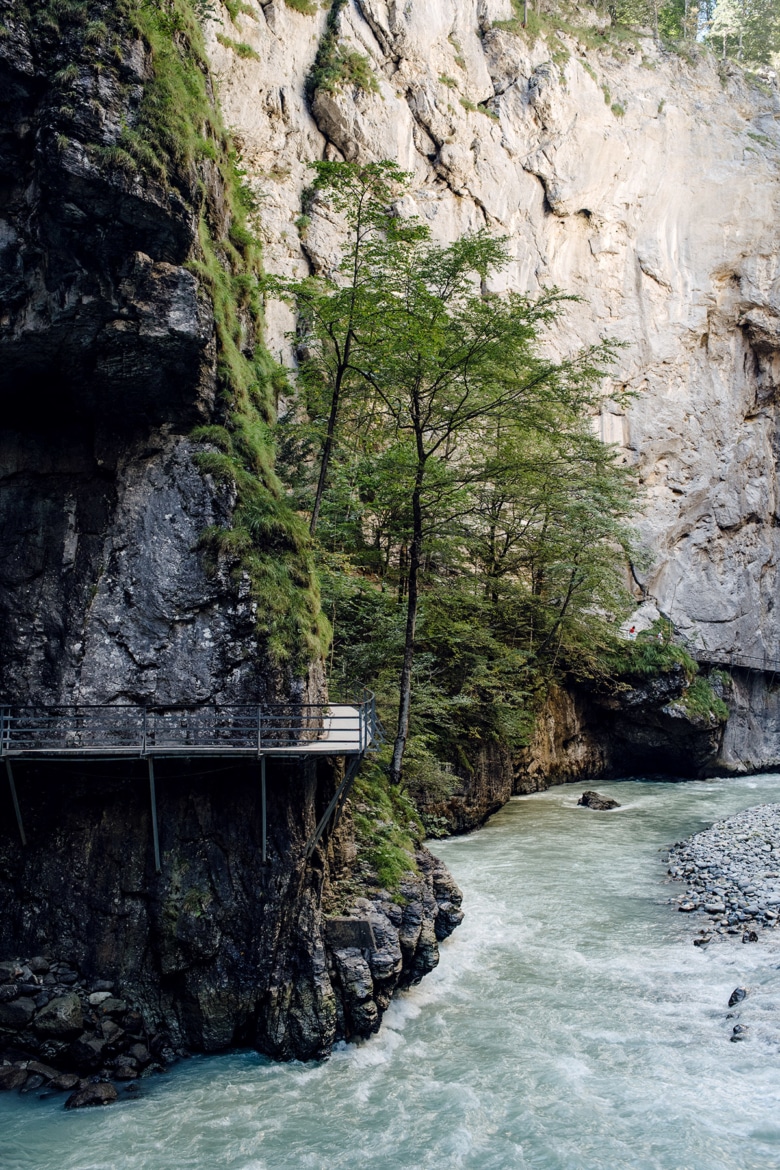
405,703
326,452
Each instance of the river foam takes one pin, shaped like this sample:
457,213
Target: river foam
571,1025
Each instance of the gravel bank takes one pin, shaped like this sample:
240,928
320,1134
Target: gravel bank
731,872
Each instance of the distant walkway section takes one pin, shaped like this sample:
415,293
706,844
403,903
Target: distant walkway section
732,659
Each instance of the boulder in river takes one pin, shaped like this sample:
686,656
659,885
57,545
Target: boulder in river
737,995
596,801
102,1093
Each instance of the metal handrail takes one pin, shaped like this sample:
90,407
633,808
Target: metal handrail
732,659
184,728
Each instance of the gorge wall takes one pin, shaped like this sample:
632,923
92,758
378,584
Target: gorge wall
126,332
643,182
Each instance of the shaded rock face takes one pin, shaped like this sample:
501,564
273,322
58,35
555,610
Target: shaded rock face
565,745
218,950
476,795
108,357
751,741
100,318
642,729
107,347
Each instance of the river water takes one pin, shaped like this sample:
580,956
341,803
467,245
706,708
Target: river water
571,1025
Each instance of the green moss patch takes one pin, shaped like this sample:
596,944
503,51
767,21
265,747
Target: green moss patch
178,134
336,66
388,829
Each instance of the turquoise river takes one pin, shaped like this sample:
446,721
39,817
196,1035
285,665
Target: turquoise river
571,1025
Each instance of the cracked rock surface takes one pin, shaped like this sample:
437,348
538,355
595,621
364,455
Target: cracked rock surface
658,206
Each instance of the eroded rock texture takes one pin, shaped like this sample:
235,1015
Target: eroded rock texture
218,949
646,184
108,360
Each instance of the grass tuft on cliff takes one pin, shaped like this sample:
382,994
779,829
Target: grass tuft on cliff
651,654
700,702
388,828
336,66
179,140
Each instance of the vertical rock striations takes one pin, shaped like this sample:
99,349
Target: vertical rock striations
646,183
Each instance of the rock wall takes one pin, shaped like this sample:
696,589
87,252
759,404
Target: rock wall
219,949
643,182
109,352
751,741
107,344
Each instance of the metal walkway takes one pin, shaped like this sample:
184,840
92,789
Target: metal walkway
730,659
113,732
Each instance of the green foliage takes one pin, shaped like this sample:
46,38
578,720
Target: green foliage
651,654
267,546
456,438
240,48
388,829
336,66
700,702
237,7
617,109
306,7
747,31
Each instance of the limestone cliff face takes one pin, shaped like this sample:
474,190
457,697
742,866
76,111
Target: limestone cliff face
644,183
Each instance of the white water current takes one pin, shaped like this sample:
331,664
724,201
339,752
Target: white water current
571,1025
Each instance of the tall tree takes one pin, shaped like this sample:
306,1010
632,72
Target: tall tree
446,357
446,427
335,307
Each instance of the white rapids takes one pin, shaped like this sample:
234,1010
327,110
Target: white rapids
571,1025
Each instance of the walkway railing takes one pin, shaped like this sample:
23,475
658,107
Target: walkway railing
118,730
127,731
729,658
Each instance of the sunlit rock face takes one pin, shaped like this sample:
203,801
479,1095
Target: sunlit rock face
643,183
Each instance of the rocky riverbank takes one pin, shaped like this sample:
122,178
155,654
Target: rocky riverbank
731,873
62,1033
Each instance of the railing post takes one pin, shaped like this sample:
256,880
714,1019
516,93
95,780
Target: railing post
5,729
263,813
15,800
259,729
153,799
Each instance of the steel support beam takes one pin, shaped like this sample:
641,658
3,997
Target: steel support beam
262,802
153,799
15,799
336,805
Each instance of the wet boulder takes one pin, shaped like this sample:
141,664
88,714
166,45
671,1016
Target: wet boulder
598,802
12,1076
17,1013
61,1019
102,1093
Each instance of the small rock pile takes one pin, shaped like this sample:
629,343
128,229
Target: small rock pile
732,872
60,1033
